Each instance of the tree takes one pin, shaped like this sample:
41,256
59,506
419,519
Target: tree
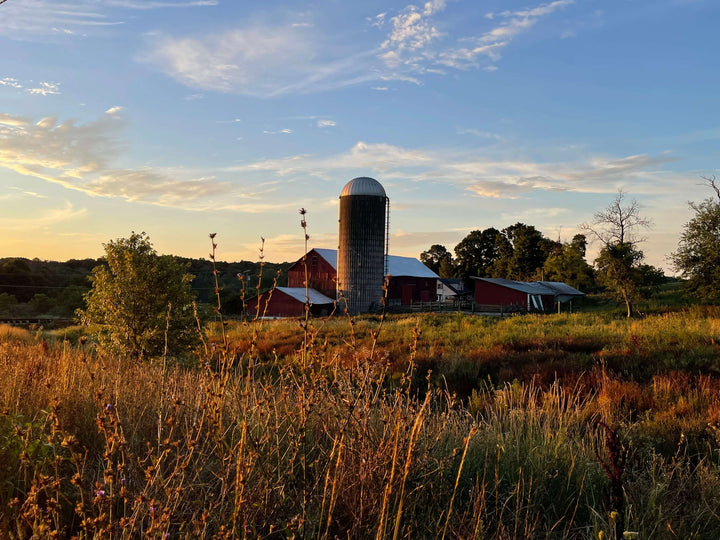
619,264
529,252
476,253
434,258
567,264
698,254
618,223
141,303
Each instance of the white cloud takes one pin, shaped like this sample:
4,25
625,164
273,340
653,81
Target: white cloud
261,61
481,134
326,123
268,60
9,81
49,218
68,19
78,157
42,89
284,131
468,172
416,43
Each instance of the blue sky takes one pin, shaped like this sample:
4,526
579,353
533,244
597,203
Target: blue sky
180,118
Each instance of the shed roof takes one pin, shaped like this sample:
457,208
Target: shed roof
555,288
298,293
397,266
562,288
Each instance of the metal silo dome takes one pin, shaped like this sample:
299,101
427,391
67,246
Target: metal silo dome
363,185
362,244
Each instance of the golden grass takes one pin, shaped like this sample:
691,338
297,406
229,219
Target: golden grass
332,430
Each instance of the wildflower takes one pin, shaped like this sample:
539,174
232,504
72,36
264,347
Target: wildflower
614,516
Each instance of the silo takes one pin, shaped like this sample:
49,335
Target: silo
362,244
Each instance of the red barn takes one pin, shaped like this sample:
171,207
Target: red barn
410,281
522,295
321,271
289,302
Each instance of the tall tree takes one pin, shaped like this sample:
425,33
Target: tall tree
434,258
567,264
476,253
523,252
698,254
141,303
619,263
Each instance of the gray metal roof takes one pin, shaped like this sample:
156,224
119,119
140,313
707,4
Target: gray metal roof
397,266
330,255
562,288
298,293
556,288
363,185
409,266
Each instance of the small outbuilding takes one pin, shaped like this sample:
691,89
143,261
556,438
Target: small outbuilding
523,295
452,290
289,302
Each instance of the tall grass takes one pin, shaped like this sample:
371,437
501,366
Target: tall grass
331,429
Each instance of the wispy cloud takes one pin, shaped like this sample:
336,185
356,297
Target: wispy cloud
79,157
65,19
12,83
326,123
42,220
465,171
480,133
38,89
416,43
284,131
267,60
45,89
261,61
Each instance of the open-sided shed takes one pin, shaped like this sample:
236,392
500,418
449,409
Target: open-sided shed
523,295
289,302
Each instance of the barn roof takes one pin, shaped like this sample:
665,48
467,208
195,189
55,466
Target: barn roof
561,288
397,266
298,293
555,288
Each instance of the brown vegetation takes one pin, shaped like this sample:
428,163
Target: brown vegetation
454,426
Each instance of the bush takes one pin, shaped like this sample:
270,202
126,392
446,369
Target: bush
141,304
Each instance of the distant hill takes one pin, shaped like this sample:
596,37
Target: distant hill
31,287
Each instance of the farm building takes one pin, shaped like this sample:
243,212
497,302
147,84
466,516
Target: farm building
410,281
523,295
321,271
289,302
451,289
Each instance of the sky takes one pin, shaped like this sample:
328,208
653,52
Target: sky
182,118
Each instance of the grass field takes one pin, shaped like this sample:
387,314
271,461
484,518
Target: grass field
422,426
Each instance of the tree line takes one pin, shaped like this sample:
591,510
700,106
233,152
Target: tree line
33,287
521,252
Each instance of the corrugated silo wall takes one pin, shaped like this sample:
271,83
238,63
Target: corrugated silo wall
361,253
